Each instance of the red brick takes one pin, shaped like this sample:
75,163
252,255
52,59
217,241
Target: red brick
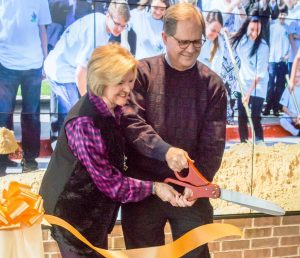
295,240
284,251
109,242
267,221
214,246
230,238
46,234
257,232
235,245
232,254
267,242
51,247
55,256
168,238
117,231
117,243
286,231
257,253
241,223
167,228
288,220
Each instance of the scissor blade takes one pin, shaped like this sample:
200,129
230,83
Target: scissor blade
252,202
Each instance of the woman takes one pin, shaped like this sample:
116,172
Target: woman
254,55
212,50
146,22
84,182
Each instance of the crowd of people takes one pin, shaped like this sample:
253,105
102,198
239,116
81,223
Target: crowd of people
123,126
77,27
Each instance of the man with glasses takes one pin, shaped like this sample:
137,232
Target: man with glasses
65,66
177,111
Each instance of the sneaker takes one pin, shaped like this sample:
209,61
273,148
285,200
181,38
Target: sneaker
6,162
29,165
266,112
276,113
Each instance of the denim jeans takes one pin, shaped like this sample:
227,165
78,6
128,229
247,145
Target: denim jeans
63,98
30,82
277,72
256,106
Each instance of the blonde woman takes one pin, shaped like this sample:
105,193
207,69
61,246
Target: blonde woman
84,183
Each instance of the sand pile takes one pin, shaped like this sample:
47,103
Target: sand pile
274,176
8,142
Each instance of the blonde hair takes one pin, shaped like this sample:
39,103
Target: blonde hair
182,12
107,67
119,8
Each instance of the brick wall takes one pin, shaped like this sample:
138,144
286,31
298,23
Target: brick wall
262,237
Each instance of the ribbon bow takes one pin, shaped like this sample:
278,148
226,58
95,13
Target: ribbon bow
20,207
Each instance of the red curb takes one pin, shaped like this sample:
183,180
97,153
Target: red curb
232,133
270,131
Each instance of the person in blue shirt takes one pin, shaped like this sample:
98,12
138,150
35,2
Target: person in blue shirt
254,55
279,55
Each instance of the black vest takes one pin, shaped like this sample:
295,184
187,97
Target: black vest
67,188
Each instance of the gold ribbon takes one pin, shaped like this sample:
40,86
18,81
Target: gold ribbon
22,207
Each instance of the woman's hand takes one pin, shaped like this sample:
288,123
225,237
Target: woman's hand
168,194
246,99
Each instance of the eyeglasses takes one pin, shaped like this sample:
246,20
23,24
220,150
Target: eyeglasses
118,24
183,44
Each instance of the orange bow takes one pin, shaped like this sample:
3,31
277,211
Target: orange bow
20,207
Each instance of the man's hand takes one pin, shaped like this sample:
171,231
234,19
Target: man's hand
177,159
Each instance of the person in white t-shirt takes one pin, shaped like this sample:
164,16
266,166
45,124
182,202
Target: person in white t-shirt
254,55
213,48
291,123
23,47
65,66
279,54
293,22
146,22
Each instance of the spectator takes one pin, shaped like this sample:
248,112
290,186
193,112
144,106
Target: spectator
177,109
65,66
212,50
279,54
23,47
263,10
254,54
146,22
233,13
292,122
293,22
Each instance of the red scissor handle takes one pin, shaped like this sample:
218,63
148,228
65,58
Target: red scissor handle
194,180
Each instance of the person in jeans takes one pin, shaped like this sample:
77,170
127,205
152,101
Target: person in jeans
279,54
23,48
65,66
254,55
